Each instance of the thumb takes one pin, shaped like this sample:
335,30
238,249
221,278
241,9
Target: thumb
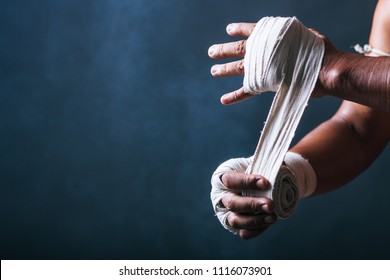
235,96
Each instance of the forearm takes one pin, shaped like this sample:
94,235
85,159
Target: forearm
341,148
361,79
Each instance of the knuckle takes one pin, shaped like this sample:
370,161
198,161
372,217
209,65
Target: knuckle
243,179
229,203
235,96
240,47
255,221
221,50
224,69
254,205
247,180
224,177
253,27
240,67
233,220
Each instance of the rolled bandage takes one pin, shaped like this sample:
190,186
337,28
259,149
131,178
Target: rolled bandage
284,193
296,179
282,55
304,174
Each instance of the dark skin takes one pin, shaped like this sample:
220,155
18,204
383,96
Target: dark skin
338,149
252,215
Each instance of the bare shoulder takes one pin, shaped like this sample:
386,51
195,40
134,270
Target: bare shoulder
380,31
384,4
383,10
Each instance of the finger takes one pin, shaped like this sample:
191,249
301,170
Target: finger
228,50
240,181
240,29
243,221
235,97
247,204
251,233
234,68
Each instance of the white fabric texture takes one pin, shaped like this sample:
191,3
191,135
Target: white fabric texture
281,55
304,173
296,172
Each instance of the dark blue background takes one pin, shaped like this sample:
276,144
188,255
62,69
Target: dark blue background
111,127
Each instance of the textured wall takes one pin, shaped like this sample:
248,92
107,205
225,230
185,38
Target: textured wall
111,127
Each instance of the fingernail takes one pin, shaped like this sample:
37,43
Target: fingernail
270,219
260,183
268,208
230,27
211,50
215,70
265,208
225,99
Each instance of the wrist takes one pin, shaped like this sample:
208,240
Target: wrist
340,73
333,71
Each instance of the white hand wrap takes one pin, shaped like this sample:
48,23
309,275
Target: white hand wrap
295,180
281,55
304,174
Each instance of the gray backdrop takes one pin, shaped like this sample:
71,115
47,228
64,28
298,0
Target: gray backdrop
111,127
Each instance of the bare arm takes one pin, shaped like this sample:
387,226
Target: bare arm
366,80
348,143
342,147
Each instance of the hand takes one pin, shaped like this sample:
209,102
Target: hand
328,79
236,68
242,215
251,216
